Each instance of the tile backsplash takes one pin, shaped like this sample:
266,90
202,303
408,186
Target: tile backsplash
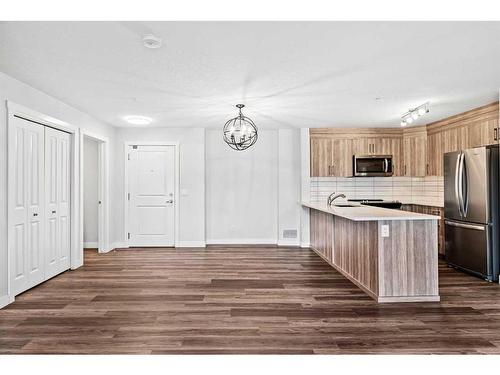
417,190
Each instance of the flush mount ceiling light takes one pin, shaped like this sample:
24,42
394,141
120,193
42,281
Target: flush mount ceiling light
138,120
240,132
413,114
151,41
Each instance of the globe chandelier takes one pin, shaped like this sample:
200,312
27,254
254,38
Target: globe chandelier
240,132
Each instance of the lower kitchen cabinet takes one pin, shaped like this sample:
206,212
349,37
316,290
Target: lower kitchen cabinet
430,210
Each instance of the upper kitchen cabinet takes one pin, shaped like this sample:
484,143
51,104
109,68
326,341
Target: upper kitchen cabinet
478,127
342,156
482,124
321,157
330,156
434,165
415,151
332,148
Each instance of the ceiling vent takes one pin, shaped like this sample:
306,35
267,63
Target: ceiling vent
151,41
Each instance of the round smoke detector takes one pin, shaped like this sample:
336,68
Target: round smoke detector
151,41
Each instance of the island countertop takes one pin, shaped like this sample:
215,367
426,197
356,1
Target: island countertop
368,213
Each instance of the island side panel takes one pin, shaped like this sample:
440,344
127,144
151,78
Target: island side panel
321,233
355,247
408,261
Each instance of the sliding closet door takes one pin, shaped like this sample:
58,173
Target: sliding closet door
26,201
57,201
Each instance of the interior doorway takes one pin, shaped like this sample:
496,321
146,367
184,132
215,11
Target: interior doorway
94,182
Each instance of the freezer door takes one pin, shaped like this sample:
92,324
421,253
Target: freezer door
466,246
452,204
474,193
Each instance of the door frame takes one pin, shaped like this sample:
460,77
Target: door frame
14,109
103,244
176,146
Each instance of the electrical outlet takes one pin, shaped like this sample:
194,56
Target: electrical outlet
385,230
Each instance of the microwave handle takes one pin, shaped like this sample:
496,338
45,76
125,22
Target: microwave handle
386,165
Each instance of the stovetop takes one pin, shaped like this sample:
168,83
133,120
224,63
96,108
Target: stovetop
378,203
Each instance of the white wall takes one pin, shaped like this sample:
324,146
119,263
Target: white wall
305,186
90,192
289,187
192,180
242,190
252,195
20,93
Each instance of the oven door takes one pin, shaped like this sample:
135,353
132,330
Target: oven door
372,165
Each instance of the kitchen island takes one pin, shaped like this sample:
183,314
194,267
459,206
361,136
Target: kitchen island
392,255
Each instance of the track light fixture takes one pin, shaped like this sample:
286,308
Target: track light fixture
413,114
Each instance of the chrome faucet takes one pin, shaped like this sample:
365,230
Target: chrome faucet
332,197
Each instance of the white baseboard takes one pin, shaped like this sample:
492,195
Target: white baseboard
288,243
90,245
5,300
245,241
305,244
191,244
111,247
118,245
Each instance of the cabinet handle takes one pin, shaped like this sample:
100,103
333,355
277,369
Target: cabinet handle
495,134
427,169
333,170
35,214
53,212
405,169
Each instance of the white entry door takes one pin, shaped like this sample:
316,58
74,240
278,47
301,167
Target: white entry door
57,201
26,201
151,183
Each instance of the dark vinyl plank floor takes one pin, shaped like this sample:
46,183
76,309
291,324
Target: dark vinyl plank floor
242,300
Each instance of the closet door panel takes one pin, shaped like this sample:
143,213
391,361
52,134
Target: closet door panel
63,187
35,199
26,171
51,176
57,190
17,172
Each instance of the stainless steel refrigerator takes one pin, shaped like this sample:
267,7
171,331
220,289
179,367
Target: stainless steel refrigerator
471,210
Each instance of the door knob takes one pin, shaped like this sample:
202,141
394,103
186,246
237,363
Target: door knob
170,201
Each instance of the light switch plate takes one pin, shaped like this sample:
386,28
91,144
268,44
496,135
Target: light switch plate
385,230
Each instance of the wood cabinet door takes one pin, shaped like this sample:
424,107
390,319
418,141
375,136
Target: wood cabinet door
362,146
342,157
482,133
415,156
321,157
454,139
434,163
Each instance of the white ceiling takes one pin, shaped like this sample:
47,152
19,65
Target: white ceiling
289,74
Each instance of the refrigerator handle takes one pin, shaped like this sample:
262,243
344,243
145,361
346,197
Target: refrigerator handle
461,184
457,192
465,191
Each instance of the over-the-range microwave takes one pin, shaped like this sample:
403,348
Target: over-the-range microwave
372,165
